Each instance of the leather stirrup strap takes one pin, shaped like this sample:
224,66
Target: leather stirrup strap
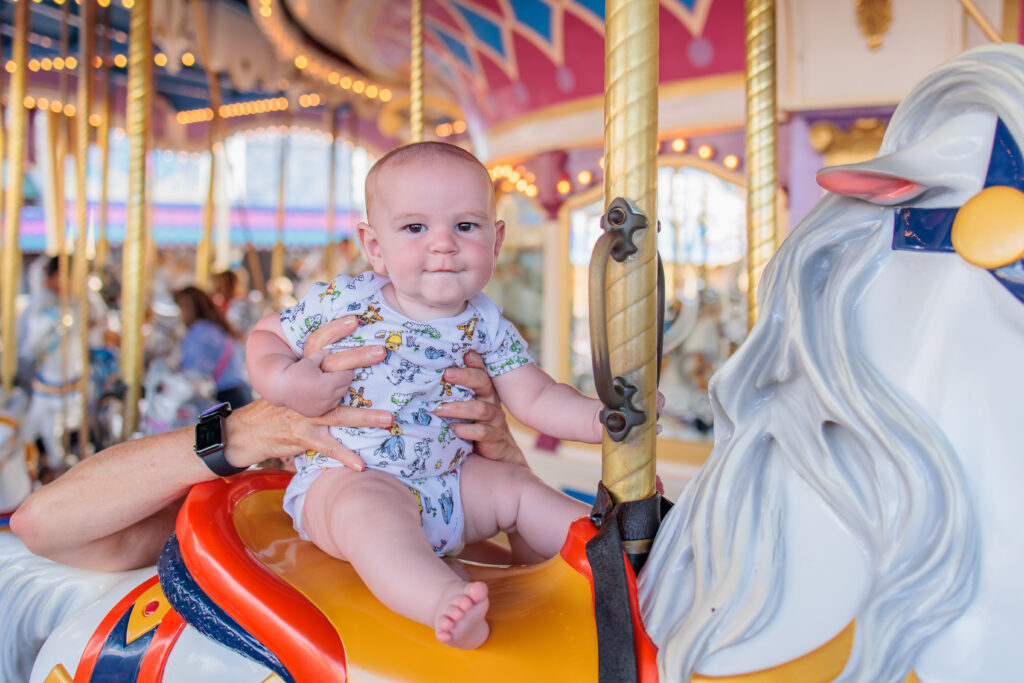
635,523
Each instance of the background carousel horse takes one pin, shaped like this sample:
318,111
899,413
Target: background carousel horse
862,496
15,482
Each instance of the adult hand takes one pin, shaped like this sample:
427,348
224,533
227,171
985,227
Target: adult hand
261,430
489,430
295,434
345,361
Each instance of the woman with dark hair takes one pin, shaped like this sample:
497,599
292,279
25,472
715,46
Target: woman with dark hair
212,346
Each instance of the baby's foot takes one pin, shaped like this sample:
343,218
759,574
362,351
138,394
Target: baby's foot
461,612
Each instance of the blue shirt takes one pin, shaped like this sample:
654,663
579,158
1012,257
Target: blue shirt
202,348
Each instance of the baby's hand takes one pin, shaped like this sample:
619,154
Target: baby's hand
310,391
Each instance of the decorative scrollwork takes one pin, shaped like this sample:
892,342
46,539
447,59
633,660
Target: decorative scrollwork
874,17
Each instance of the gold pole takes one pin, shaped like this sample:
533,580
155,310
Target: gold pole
80,270
133,285
64,145
983,23
204,251
416,74
630,142
762,174
331,255
13,197
103,138
277,257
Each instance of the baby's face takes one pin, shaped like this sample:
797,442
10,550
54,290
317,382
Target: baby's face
433,232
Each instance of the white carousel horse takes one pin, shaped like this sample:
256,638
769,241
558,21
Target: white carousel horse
861,496
863,493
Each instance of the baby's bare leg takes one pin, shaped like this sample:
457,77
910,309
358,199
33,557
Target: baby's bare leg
499,496
371,519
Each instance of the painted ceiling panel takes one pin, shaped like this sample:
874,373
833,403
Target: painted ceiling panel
485,30
535,14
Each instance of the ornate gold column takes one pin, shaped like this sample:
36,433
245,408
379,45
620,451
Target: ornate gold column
204,250
630,143
416,73
762,166
103,139
277,257
331,252
133,285
80,267
12,200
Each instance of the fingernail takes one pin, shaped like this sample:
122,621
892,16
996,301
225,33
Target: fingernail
359,468
349,319
378,352
384,420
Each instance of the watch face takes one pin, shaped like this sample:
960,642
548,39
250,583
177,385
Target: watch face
208,436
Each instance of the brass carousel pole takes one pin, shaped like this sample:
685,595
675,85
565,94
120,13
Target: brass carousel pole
762,166
13,197
625,317
62,128
204,251
631,138
331,254
133,285
3,137
80,267
416,74
103,139
277,257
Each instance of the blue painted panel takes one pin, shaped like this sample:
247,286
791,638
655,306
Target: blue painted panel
535,14
595,6
485,30
454,46
119,661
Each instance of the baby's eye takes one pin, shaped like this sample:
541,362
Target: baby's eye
465,226
415,228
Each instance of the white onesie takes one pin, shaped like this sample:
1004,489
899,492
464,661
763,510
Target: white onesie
420,449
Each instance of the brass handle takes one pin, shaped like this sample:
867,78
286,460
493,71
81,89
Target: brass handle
620,222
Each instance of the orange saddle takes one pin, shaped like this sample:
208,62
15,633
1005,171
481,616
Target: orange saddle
321,623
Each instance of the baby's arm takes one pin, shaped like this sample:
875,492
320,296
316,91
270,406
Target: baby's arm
551,408
284,379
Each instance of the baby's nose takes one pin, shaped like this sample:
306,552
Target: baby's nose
442,241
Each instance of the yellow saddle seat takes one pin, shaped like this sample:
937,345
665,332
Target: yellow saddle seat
541,617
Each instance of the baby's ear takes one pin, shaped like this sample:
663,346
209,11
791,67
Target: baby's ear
371,247
499,236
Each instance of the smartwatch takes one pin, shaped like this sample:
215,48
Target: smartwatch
211,440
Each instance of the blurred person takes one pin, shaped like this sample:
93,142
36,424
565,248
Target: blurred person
54,377
211,345
231,299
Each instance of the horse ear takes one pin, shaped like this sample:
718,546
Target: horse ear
873,186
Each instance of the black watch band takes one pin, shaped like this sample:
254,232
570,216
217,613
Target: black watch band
212,440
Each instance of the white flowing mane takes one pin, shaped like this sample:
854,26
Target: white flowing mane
36,595
799,398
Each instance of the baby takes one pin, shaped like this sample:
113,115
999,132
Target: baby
432,239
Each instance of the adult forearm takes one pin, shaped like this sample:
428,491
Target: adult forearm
117,493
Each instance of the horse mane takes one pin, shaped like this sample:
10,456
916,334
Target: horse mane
799,398
36,595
